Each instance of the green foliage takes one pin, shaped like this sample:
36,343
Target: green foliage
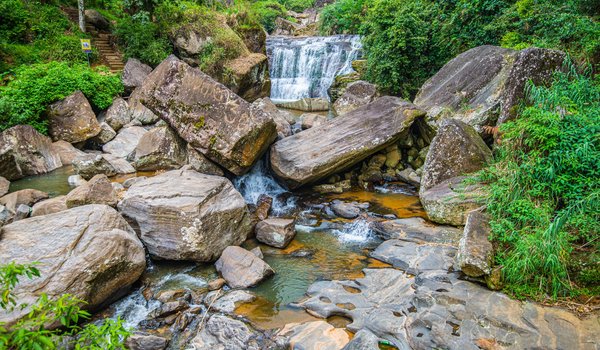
143,39
344,16
266,12
544,194
34,87
30,332
297,5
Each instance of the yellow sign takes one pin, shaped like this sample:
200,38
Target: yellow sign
86,45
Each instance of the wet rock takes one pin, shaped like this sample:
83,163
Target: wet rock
117,187
159,149
27,197
210,117
125,141
242,269
231,300
263,206
484,84
25,152
131,181
338,187
146,342
202,164
92,164
415,258
316,104
185,215
416,230
173,295
168,309
314,154
275,232
302,253
363,340
134,74
456,150
216,284
339,85
451,201
248,76
96,19
72,119
4,186
356,95
222,332
49,206
410,176
98,190
279,117
117,115
314,335
106,134
346,210
75,180
258,252
475,252
89,252
309,120
66,152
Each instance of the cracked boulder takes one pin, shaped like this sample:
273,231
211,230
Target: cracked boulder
185,215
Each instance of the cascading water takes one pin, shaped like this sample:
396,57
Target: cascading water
306,67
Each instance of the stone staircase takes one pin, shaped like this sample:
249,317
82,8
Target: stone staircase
102,41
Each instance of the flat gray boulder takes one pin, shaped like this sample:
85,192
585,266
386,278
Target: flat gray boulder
313,335
222,332
134,73
340,143
209,116
66,151
125,142
485,84
89,165
357,94
185,215
241,268
25,152
90,252
98,190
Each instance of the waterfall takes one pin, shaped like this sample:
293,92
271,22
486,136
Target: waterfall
356,232
258,182
306,67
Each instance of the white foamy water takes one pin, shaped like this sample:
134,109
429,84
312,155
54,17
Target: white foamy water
306,67
358,232
134,309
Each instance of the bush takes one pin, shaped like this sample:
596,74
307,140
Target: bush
544,194
143,40
25,98
266,12
297,5
344,16
29,332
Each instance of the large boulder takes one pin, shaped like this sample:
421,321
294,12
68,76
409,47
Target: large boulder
276,232
134,74
340,143
25,152
249,76
96,19
201,164
98,190
89,252
485,84
125,141
283,126
67,152
49,206
450,201
456,150
89,165
4,186
72,119
159,149
222,332
185,215
241,268
118,115
475,251
356,95
314,335
210,117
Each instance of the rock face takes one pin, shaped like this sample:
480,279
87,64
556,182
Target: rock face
98,190
450,201
475,252
210,117
26,152
4,186
316,104
117,115
456,150
66,152
72,119
281,123
49,206
249,76
89,252
484,84
159,149
276,232
89,165
134,74
242,269
185,215
201,164
106,134
314,335
357,94
96,19
342,142
222,332
125,141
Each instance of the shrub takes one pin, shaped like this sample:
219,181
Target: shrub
343,16
297,5
266,12
30,333
143,40
544,194
25,98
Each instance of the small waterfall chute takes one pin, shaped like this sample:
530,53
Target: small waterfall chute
356,232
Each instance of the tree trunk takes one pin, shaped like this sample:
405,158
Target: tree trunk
81,15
